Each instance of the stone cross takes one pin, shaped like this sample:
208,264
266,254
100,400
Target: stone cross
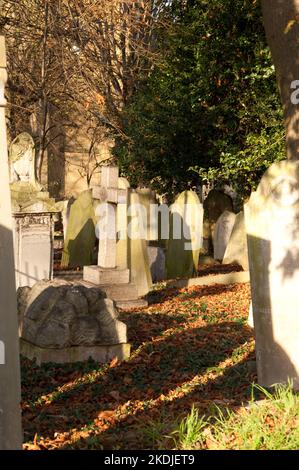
109,196
10,417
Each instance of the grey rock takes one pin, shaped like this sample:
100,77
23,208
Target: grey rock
58,314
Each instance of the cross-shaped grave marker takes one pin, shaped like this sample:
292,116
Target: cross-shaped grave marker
109,196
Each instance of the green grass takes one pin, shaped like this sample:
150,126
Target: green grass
270,424
190,430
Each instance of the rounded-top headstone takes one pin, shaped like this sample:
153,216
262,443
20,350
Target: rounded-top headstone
272,225
185,238
222,233
214,205
236,250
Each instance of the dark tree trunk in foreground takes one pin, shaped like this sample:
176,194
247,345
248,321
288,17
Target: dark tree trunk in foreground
281,19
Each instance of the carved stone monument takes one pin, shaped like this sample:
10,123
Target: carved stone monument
10,396
272,225
114,280
26,193
33,215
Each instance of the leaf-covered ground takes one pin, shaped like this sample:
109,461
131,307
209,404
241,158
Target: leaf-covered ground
190,346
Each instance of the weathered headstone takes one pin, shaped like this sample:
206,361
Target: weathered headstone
62,322
10,396
26,193
157,263
122,254
121,277
22,159
272,225
33,215
185,238
65,208
214,205
222,233
236,250
80,236
148,199
137,249
109,196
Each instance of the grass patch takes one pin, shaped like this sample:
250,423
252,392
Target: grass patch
270,424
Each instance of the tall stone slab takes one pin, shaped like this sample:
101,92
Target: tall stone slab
80,236
185,238
222,233
137,245
214,205
236,250
10,416
122,253
272,225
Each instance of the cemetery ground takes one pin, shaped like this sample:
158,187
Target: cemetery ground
185,386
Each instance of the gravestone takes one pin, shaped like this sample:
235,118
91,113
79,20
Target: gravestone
62,322
236,250
33,246
64,207
122,283
214,205
148,199
137,245
10,395
185,238
122,254
26,193
34,214
157,263
222,233
80,238
272,225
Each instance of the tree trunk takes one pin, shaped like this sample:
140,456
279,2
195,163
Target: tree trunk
281,20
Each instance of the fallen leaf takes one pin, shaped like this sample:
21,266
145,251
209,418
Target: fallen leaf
115,394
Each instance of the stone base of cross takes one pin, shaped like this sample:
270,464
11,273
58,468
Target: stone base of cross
109,196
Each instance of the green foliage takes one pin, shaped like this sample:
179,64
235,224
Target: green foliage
267,425
190,429
210,109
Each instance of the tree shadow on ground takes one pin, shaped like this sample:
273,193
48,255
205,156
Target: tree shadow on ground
158,297
161,367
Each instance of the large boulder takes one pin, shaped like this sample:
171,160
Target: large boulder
60,315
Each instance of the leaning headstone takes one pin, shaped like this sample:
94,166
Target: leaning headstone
10,394
61,322
185,238
214,205
271,218
80,237
236,251
222,233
